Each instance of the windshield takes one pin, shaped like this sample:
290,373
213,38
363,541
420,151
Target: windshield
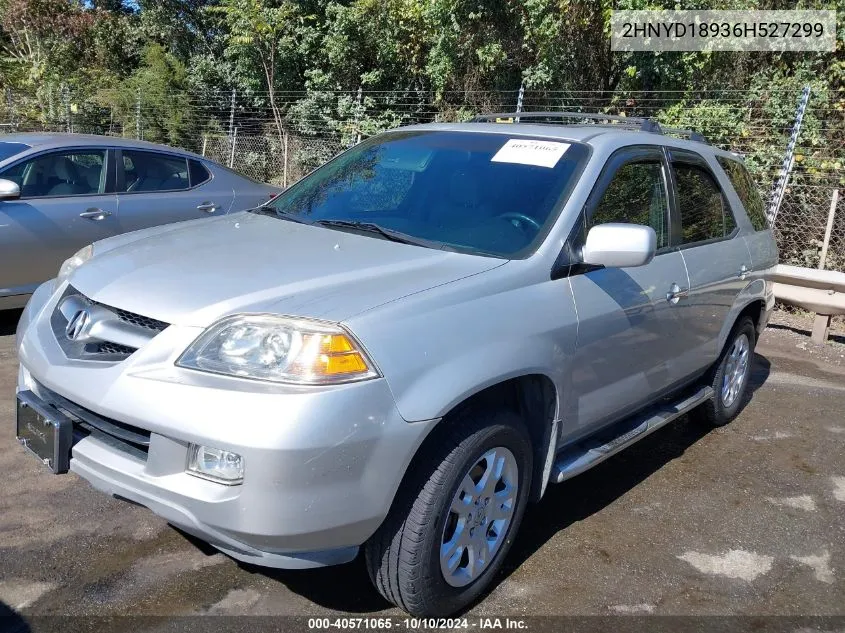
7,150
492,194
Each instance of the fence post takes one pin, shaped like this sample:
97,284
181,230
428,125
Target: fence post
285,162
204,143
821,323
138,115
834,200
234,142
232,114
10,103
66,99
358,117
786,167
519,100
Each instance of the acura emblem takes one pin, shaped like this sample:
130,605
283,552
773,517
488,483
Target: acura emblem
77,324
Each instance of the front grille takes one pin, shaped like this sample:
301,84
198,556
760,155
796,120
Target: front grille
110,348
119,333
138,319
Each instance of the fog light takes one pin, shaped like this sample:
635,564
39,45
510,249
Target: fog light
224,467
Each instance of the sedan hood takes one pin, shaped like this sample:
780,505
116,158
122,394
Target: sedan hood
196,272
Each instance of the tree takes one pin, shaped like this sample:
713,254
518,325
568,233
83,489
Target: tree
263,33
43,38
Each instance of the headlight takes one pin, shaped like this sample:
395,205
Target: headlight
72,263
279,349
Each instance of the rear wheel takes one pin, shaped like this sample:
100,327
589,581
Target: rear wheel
455,518
729,378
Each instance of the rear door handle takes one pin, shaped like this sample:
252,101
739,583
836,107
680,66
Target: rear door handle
95,214
675,293
208,207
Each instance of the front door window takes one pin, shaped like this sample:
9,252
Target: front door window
65,173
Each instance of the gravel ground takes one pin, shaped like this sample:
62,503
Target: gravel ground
745,521
796,326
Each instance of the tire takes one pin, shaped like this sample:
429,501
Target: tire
725,403
403,557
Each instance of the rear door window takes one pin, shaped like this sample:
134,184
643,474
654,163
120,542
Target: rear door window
145,172
704,212
636,195
747,192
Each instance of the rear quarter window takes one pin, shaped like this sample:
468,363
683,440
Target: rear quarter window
746,190
198,173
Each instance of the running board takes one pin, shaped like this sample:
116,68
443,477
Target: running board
584,455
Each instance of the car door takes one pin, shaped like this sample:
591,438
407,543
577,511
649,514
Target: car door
156,188
630,335
67,201
716,257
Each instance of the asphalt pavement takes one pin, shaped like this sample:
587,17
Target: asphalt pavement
746,520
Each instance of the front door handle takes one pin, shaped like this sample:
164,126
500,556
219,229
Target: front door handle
208,207
743,272
675,293
95,214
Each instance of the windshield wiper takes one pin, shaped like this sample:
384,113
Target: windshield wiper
278,213
389,234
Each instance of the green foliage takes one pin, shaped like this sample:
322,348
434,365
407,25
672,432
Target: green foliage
156,93
424,58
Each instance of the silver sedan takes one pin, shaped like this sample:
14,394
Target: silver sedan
60,192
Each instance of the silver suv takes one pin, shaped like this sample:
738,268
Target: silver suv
407,346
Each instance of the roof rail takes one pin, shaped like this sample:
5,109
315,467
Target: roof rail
690,134
643,124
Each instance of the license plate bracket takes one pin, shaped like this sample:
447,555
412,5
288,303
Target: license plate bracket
44,431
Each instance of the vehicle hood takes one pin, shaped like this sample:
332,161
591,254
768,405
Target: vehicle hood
193,273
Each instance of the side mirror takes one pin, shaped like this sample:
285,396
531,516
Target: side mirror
9,190
620,245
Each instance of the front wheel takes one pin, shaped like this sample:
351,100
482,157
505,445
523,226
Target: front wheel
454,520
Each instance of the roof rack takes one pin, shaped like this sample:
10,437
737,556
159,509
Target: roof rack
690,134
642,124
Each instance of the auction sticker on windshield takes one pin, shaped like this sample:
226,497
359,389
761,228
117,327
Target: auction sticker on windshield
530,152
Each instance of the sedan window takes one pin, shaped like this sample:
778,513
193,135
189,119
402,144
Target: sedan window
145,172
199,174
67,173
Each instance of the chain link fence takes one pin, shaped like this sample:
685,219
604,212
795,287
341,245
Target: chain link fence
280,161
240,131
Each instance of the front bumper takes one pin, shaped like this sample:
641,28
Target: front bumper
322,464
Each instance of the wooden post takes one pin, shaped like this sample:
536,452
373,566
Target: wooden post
821,324
204,143
834,200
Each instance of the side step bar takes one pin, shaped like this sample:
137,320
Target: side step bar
576,459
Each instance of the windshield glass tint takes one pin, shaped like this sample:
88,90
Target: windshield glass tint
7,150
488,193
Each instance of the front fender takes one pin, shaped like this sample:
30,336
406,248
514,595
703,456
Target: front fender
443,386
434,357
